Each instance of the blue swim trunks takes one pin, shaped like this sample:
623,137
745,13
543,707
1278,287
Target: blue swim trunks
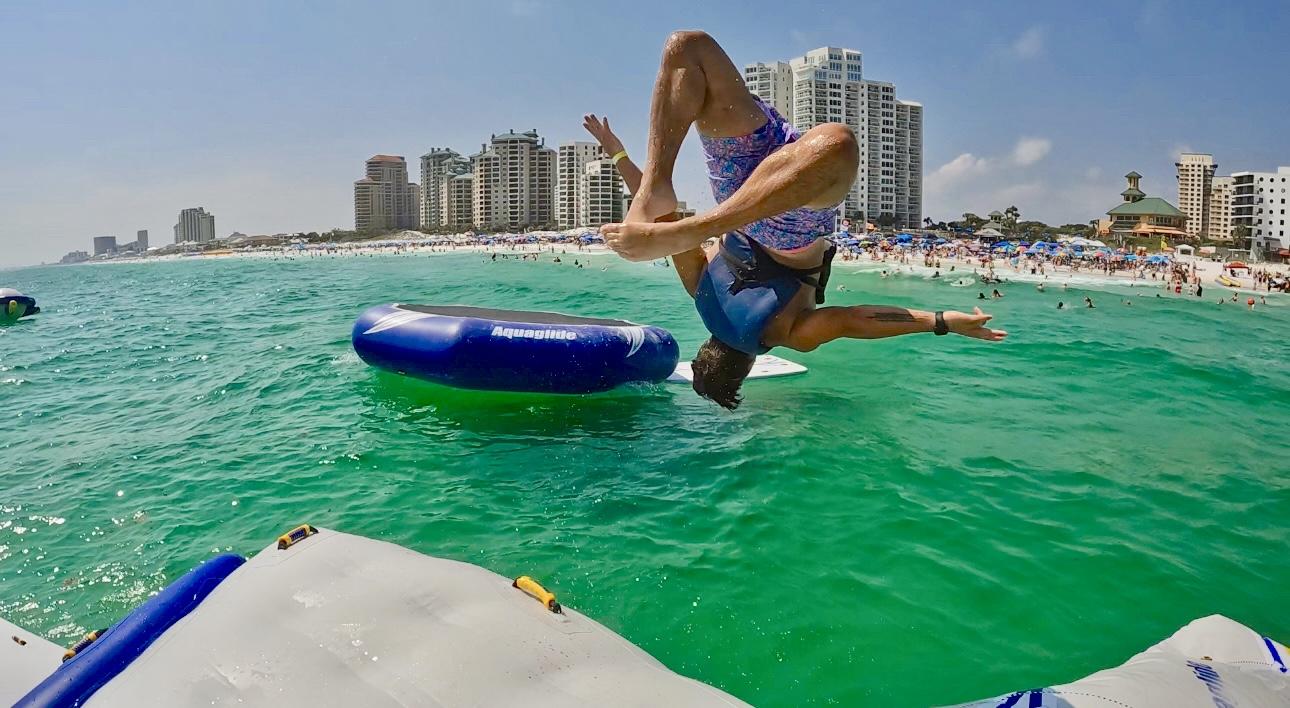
732,160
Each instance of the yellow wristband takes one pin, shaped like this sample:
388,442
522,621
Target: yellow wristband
618,156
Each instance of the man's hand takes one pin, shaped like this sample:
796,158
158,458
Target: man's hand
973,325
599,129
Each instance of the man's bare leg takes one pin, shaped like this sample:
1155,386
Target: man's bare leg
697,83
816,172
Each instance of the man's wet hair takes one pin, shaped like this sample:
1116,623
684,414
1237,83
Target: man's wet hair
719,370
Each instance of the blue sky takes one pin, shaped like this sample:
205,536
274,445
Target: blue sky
116,117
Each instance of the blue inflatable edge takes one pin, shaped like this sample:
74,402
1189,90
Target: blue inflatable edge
78,678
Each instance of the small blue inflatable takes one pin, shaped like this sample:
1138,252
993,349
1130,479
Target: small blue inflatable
513,350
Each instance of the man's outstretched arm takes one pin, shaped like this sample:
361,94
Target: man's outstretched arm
611,146
689,264
826,324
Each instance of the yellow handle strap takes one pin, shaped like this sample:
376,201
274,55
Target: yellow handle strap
294,536
80,646
535,590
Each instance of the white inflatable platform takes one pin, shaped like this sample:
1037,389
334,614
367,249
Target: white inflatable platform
1213,662
341,620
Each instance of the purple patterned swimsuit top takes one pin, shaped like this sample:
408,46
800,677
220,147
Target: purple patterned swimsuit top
732,160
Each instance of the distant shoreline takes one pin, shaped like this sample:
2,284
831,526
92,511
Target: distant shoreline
1055,276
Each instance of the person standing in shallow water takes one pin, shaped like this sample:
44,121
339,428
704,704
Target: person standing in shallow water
777,193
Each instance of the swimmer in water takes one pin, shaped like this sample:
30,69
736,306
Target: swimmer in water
1040,287
996,293
1088,302
777,193
1061,305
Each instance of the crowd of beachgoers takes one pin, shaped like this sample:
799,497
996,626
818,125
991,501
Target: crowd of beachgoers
1044,261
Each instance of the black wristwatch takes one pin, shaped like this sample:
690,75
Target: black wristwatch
940,328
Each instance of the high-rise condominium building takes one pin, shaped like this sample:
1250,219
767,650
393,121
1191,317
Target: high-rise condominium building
904,199
141,240
514,182
438,167
104,245
827,85
455,195
1220,209
1195,179
1259,204
384,199
571,163
195,226
599,194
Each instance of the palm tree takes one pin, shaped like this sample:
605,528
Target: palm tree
1240,236
1011,215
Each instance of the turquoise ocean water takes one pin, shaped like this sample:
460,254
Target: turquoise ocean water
916,521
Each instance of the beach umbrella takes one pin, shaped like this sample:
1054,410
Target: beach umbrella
1130,257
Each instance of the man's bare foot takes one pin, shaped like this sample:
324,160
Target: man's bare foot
647,242
637,241
652,202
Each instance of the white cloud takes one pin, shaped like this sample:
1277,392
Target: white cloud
1177,150
1031,150
952,172
981,184
1030,43
968,167
526,8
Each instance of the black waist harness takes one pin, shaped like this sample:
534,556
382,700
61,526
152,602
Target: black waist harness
744,288
752,265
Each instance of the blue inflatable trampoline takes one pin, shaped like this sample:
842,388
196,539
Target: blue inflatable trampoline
512,350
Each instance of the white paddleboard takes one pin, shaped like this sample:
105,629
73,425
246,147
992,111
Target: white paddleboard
766,367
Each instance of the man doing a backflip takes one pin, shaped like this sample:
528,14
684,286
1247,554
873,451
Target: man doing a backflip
777,193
